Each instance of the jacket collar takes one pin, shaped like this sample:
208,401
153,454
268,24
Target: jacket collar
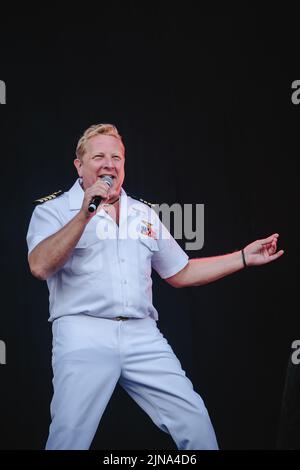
75,196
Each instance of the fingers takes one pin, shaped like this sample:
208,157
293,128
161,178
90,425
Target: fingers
275,256
100,188
270,239
272,247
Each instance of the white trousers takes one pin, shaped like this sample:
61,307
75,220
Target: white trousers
90,355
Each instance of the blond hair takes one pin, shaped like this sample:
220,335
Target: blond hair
92,131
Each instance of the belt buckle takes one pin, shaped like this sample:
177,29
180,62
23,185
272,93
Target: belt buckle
121,318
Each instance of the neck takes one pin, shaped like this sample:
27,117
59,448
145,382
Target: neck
112,202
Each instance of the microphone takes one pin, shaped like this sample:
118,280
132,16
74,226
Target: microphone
97,199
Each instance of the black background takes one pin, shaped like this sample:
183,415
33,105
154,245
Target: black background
203,102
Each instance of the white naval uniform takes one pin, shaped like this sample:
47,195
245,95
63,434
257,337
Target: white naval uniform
108,276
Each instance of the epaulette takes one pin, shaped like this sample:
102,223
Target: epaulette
48,198
142,200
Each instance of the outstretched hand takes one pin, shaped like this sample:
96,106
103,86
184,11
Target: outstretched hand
262,251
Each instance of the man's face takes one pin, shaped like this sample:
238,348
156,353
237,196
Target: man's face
104,155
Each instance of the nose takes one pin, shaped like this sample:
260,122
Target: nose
108,162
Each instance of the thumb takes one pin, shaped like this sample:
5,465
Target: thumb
113,194
275,256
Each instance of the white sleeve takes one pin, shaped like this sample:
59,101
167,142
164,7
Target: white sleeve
170,257
44,222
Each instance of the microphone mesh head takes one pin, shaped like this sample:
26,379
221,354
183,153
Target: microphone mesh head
108,180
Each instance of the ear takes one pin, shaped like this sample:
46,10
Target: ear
78,165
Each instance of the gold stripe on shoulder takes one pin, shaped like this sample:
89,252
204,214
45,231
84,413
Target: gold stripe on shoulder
142,200
49,197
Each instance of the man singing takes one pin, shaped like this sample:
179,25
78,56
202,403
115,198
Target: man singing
98,270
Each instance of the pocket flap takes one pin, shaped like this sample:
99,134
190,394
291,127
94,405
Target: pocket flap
151,243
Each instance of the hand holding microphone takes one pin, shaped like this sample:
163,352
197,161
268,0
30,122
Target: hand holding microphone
95,194
97,199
